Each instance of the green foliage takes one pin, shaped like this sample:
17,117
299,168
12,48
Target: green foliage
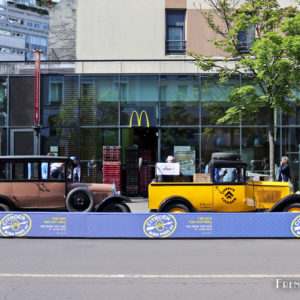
34,9
272,59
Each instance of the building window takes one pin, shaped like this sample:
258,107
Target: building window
175,42
245,40
56,90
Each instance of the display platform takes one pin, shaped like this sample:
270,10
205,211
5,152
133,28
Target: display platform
149,225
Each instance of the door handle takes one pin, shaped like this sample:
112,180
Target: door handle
45,188
40,185
217,188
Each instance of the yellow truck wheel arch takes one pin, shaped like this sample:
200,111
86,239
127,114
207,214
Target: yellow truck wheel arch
294,207
175,200
285,202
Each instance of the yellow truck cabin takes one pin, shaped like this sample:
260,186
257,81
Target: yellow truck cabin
224,189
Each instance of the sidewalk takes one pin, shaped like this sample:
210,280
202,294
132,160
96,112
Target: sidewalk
138,204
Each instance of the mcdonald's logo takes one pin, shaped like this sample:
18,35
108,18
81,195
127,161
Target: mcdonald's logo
139,118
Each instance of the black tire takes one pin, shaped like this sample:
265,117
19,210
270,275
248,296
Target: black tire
4,207
176,208
80,200
116,207
292,206
225,156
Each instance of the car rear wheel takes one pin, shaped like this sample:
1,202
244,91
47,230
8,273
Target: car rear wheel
176,208
4,207
295,207
80,200
116,207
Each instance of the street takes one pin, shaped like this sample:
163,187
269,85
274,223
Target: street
138,204
147,269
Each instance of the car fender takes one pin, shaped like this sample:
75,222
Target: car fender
290,199
177,199
7,201
112,199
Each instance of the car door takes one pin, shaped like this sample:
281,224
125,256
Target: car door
25,185
52,192
233,194
229,197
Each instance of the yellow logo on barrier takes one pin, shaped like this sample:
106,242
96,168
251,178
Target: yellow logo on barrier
14,225
139,118
295,227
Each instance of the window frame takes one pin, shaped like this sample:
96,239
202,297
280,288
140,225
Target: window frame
182,50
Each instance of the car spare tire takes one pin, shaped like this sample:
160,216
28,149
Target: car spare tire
225,156
80,200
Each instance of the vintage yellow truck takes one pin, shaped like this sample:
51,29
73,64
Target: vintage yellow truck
235,194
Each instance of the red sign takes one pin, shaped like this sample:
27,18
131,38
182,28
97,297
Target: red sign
37,88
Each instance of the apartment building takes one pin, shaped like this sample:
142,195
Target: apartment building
24,27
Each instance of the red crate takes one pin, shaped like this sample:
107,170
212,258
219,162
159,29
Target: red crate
111,153
112,165
146,156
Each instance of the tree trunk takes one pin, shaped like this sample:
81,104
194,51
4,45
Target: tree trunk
272,145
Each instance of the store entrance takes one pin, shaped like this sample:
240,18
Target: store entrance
146,139
139,147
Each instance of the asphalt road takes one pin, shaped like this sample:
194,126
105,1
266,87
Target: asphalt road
148,269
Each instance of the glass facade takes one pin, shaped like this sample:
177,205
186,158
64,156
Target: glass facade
82,113
4,111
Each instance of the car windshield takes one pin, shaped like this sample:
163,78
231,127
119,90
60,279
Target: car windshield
229,175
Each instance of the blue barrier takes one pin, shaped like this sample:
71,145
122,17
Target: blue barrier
146,225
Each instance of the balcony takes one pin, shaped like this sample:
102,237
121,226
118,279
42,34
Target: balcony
175,47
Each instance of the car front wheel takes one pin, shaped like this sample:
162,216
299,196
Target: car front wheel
295,207
176,208
80,200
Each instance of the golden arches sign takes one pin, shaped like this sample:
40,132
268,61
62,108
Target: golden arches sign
139,118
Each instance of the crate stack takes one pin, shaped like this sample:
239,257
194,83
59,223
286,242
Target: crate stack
146,172
112,165
132,172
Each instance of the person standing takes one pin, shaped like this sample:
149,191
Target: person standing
283,172
76,169
44,167
170,159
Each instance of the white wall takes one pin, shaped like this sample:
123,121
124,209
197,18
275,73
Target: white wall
120,29
11,56
12,41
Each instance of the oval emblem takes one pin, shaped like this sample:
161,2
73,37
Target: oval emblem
295,227
15,225
160,226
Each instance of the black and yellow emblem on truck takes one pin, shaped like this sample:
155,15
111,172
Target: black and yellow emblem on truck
229,196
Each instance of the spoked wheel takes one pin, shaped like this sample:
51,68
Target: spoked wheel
295,208
80,200
176,208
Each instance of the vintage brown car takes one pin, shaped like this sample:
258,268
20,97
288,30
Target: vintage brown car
46,183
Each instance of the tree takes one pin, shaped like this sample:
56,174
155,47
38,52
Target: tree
270,58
